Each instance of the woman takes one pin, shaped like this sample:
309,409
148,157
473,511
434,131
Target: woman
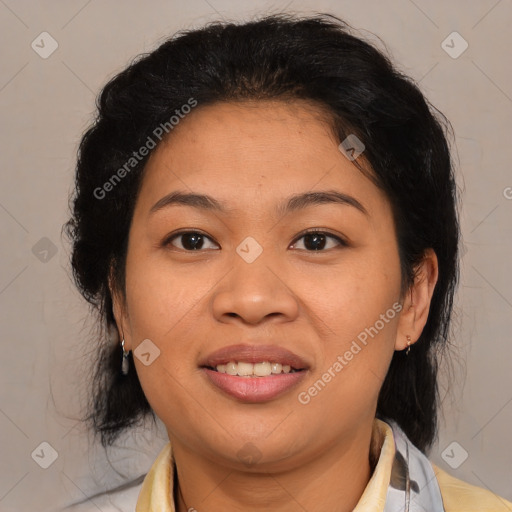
266,214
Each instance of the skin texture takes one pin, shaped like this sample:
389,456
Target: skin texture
252,156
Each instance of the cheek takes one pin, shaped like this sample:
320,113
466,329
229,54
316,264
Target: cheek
355,361
358,309
159,299
162,307
352,294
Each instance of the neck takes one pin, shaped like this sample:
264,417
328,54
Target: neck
334,480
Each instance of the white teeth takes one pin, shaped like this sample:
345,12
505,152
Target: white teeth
245,369
276,367
263,369
232,368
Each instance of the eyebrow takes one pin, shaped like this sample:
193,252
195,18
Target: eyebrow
293,203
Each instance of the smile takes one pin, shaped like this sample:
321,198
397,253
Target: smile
253,373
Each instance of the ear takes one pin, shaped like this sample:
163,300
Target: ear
119,310
416,303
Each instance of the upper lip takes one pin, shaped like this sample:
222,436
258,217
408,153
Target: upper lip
254,354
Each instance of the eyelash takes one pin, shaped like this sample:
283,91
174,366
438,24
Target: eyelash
342,243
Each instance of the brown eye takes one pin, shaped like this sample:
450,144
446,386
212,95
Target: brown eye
319,241
189,241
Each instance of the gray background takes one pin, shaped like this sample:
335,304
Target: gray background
47,103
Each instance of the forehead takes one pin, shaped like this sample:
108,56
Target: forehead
252,152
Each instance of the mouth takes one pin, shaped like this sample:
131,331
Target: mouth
253,373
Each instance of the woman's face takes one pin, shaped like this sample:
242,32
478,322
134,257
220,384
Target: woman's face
254,289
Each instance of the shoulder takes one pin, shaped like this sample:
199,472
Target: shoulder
120,499
459,496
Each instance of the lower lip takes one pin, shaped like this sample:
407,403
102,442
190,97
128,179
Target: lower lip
254,389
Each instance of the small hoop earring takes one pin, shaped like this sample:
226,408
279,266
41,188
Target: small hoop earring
408,345
125,364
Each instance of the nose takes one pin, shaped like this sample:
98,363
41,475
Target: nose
255,292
